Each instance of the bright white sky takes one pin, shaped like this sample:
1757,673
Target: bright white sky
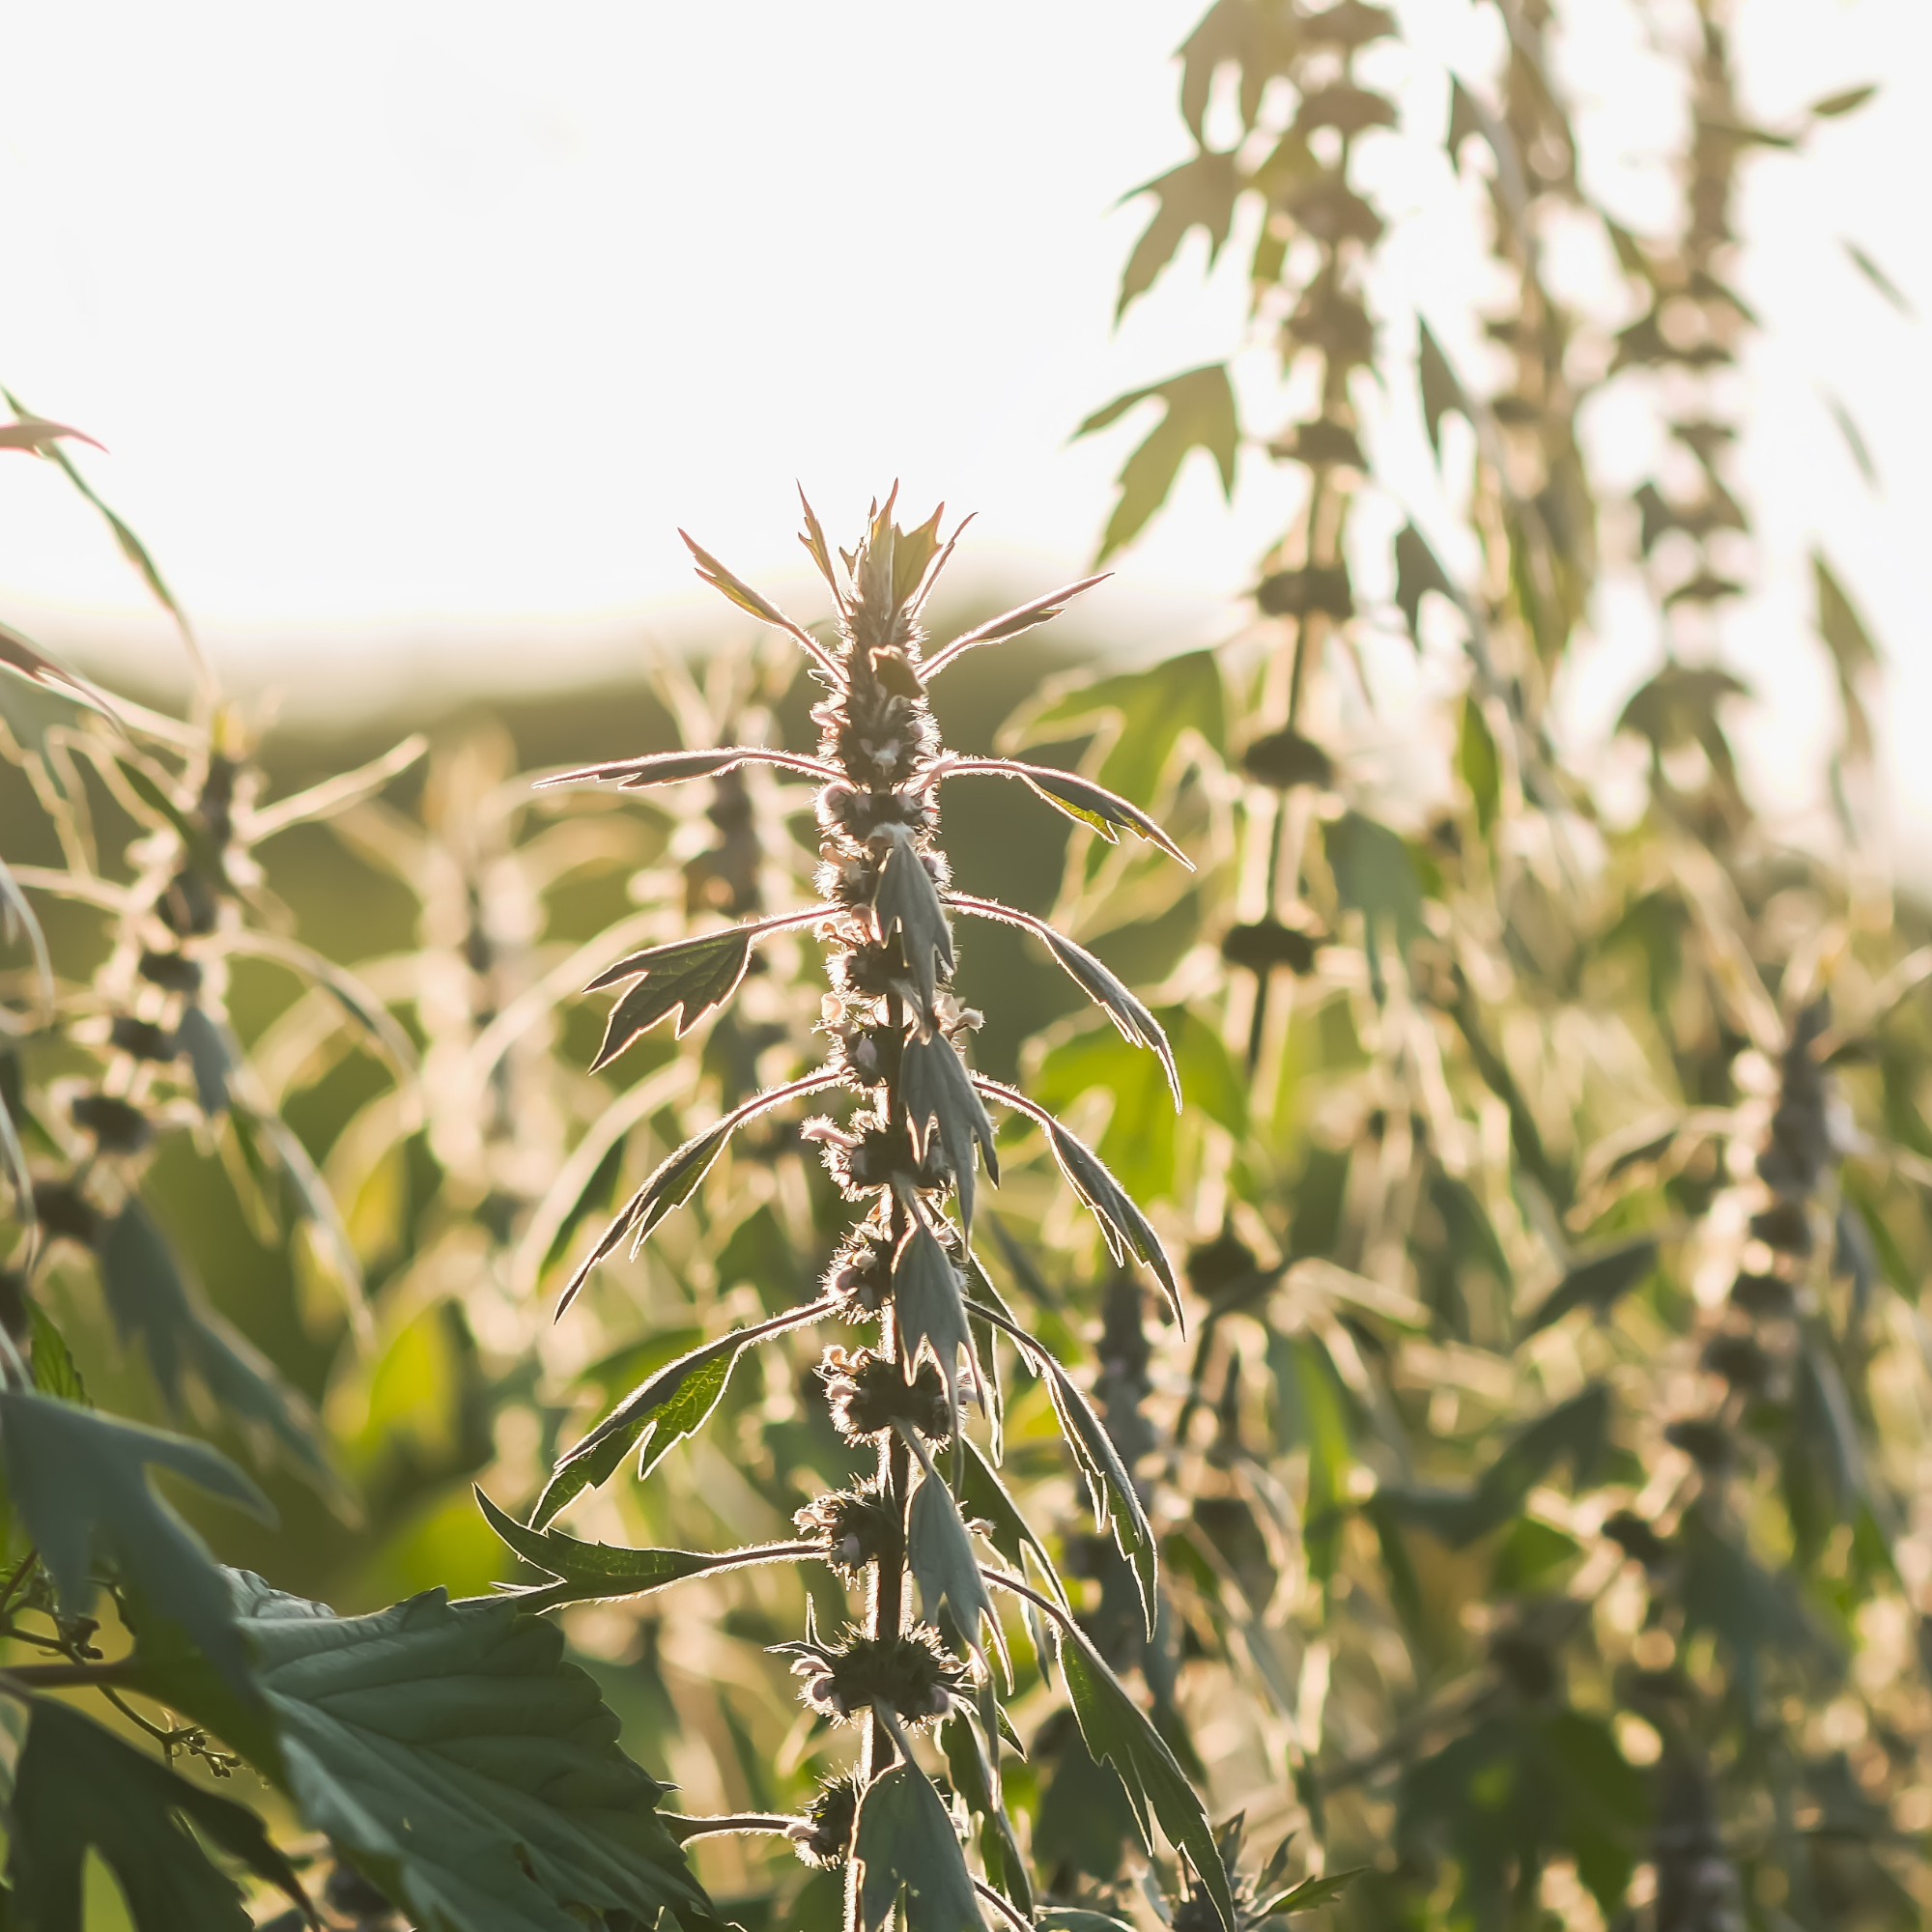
411,325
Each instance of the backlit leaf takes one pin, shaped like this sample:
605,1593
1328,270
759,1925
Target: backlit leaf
934,1085
908,1855
676,767
1198,412
1125,1228
929,1312
1200,193
945,1565
688,978
907,902
1009,624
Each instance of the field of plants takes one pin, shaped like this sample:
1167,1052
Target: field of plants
910,1276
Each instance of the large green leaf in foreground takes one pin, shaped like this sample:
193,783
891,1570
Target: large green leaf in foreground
456,1759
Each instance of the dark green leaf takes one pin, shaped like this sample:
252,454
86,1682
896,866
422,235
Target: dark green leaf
1417,573
459,1763
928,1312
670,1184
80,1788
935,1086
907,902
1596,1284
668,1407
1008,1532
596,1571
944,1564
1198,412
688,978
1311,1892
212,1057
1117,1732
1374,876
1847,102
79,1484
54,1371
907,1851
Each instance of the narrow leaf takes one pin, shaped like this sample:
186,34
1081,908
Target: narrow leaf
929,1312
907,902
1127,1230
763,608
945,1565
676,767
1596,1284
1079,797
934,1085
688,979
1010,624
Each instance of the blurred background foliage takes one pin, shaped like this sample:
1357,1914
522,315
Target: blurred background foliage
1539,1489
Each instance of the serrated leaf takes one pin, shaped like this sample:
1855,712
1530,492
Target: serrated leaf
1091,804
80,1789
1117,1731
79,1484
151,1302
1151,711
669,1185
1311,1892
676,767
760,606
945,1565
908,1856
1198,412
458,1762
598,1571
929,1312
981,1491
1596,1284
659,1412
1125,1228
1013,623
934,1085
907,902
1136,1024
688,978
1200,193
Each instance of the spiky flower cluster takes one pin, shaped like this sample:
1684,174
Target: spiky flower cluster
856,1525
911,1674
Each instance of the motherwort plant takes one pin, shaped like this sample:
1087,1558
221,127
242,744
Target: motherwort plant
917,1393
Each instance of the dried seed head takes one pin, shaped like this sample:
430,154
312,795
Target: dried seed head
856,1524
912,1674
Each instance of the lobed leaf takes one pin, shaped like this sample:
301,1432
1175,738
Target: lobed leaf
929,1312
1198,412
1127,1230
908,902
457,1761
78,1788
596,1571
690,978
1009,624
908,1857
934,1085
1117,1731
1136,1022
666,1406
79,1482
1200,193
945,1565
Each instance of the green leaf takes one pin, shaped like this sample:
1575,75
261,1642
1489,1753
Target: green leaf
54,1369
1125,1228
981,1491
945,1565
928,1312
1853,652
1091,804
1147,713
1879,279
676,767
1597,1284
907,1852
1200,193
659,1412
149,1301
1311,1892
670,1184
1110,1484
760,606
1117,1732
1012,623
688,979
596,1571
934,1085
78,1788
1140,1141
459,1763
212,1058
79,1484
1374,876
907,902
1198,412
